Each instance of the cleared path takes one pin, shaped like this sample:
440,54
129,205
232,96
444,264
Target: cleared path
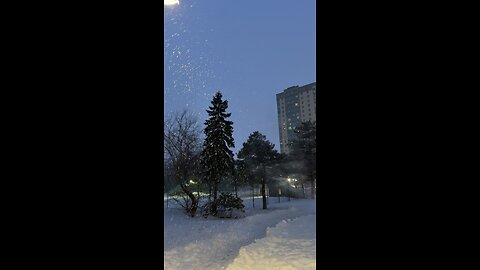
220,242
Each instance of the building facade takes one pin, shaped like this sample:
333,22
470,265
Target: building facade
295,105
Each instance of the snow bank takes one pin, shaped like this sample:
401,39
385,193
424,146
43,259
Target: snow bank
289,245
213,244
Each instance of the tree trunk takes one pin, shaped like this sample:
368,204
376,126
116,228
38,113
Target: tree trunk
193,209
253,195
264,197
215,190
235,187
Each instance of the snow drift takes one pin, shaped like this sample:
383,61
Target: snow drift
291,245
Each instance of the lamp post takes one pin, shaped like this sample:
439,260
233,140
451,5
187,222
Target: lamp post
292,182
267,194
167,199
279,194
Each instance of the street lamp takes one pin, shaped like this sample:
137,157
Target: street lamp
170,2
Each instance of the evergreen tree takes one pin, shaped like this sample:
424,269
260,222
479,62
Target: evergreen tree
239,175
257,153
217,158
304,150
246,176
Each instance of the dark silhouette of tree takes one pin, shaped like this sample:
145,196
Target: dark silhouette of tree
239,175
246,177
217,158
257,152
182,148
304,149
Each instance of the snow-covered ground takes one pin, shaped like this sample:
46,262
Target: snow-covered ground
289,245
198,243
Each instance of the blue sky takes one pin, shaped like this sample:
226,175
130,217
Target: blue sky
249,50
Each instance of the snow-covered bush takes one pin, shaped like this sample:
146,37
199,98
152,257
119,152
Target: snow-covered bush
228,200
228,206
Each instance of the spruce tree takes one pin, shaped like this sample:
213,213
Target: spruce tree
217,156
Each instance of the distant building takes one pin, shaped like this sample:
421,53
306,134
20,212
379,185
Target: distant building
295,105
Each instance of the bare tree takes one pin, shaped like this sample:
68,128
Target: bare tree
183,147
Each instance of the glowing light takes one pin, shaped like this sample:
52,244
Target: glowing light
170,2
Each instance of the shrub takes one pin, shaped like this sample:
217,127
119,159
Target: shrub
228,206
228,200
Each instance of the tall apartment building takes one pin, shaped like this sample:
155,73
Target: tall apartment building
295,105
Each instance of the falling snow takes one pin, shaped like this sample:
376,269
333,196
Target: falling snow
187,64
281,237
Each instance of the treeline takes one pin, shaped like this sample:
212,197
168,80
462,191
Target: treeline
202,165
